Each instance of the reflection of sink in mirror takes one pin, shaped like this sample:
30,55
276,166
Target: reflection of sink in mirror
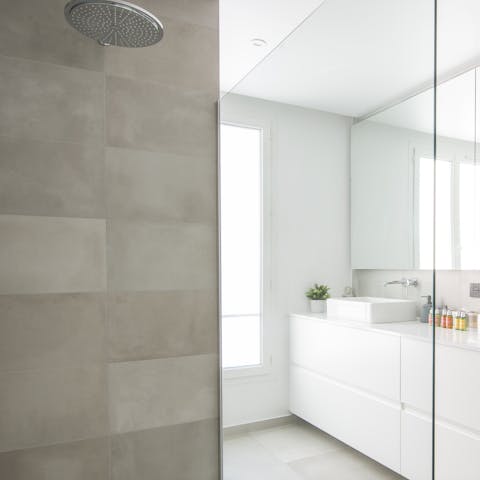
372,309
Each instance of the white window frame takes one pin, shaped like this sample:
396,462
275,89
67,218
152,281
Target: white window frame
265,366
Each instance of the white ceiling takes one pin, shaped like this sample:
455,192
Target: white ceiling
350,56
455,110
243,20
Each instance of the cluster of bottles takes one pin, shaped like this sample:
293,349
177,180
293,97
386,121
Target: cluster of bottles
453,319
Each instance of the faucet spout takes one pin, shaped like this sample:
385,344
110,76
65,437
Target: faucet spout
405,282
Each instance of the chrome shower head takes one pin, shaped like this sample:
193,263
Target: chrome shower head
114,22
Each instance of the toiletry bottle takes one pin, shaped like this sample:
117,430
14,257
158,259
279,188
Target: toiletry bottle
443,320
456,319
438,317
472,320
430,317
463,321
449,319
426,309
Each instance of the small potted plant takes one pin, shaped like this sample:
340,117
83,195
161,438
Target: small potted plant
318,295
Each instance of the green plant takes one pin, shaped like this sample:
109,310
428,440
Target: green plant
318,292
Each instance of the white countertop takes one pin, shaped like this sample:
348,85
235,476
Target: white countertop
416,330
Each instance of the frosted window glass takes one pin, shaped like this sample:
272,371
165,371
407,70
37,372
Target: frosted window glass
241,245
443,219
425,213
469,198
241,341
444,226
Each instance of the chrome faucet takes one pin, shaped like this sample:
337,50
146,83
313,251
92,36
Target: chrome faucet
405,282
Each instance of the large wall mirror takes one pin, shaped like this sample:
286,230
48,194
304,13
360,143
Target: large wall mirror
392,188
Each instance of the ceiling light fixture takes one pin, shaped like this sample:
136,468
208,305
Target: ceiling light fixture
258,42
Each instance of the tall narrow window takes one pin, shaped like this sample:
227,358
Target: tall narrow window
469,218
241,245
444,255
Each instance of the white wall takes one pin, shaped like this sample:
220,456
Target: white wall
310,230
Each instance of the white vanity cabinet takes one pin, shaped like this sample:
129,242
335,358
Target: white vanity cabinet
346,381
373,390
457,450
457,434
356,357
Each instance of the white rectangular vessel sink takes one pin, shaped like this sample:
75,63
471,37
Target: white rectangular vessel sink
372,309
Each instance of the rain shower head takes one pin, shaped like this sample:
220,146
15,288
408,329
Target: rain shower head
114,22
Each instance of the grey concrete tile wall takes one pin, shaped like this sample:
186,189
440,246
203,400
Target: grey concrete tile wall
200,12
178,60
48,406
51,255
167,118
51,178
156,256
154,393
108,248
146,185
50,102
37,30
83,460
48,331
181,452
146,325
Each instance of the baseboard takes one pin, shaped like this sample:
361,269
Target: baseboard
260,425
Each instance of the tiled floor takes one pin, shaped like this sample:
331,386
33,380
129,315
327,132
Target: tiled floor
296,451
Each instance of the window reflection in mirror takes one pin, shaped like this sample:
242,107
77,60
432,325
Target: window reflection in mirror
392,183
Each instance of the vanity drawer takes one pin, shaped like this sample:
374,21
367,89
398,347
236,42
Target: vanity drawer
358,358
364,422
456,456
417,371
457,382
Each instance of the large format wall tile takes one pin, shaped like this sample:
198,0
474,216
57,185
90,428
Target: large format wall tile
154,393
180,452
49,255
145,325
163,118
44,101
109,155
201,12
84,460
46,331
38,30
51,178
156,186
43,407
152,256
179,59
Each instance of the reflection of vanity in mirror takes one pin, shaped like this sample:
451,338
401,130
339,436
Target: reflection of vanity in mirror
392,190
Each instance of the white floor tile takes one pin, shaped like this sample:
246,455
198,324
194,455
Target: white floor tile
245,459
296,452
295,441
345,464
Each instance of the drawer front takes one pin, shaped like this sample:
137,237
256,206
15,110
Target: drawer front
458,386
417,374
369,425
358,358
457,453
416,447
457,382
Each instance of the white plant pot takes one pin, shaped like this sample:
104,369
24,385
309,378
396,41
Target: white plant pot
318,306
